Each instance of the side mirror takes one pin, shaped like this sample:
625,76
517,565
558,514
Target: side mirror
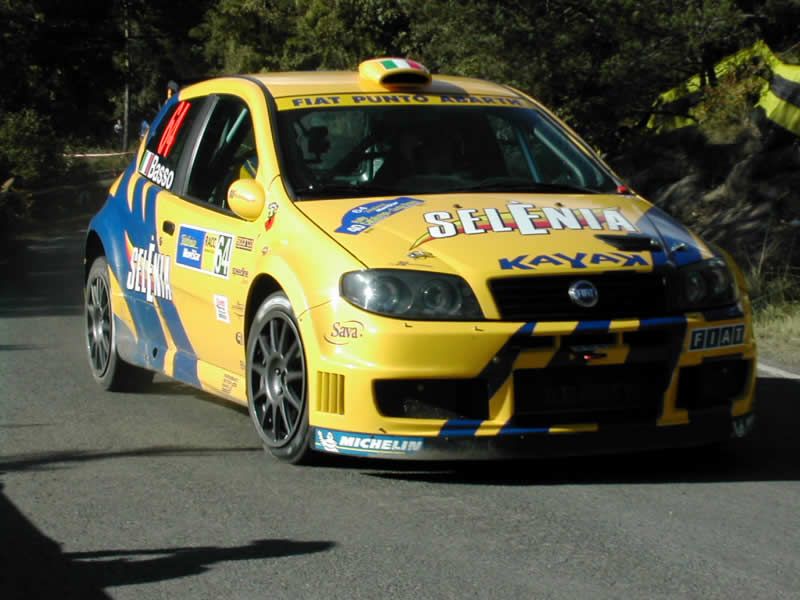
246,198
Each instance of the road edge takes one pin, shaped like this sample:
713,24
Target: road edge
776,372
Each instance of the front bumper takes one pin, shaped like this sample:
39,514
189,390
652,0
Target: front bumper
716,426
387,388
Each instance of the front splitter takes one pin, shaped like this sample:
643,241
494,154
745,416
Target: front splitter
607,440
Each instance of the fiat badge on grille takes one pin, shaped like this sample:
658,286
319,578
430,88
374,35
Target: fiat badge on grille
584,293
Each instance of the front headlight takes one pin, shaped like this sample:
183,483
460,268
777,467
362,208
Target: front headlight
411,294
706,284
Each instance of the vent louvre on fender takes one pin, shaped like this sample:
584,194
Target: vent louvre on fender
543,297
330,393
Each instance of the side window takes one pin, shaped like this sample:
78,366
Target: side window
226,152
166,146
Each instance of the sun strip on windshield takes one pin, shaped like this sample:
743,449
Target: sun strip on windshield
334,100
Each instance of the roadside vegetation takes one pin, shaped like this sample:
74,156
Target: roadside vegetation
733,176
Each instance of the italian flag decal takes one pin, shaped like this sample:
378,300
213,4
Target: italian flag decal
401,63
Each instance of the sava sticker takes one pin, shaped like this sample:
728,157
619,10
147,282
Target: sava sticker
149,273
343,332
359,444
717,337
221,307
579,260
205,250
525,219
155,171
361,218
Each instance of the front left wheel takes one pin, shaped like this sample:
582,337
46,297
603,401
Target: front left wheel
277,394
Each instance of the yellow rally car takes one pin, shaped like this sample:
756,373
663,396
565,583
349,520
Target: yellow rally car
390,264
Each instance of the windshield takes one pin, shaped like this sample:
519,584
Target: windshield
334,152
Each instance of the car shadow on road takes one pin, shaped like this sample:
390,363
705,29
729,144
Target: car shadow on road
770,453
45,461
34,566
162,385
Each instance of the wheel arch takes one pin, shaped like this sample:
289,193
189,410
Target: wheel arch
93,249
263,286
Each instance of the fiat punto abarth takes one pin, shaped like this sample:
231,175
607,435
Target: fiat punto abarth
386,263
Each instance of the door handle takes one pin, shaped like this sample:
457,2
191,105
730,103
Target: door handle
168,227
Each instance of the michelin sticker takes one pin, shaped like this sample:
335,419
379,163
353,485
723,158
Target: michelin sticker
709,338
361,218
205,250
359,444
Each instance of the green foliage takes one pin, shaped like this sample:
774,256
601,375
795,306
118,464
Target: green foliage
599,63
726,108
244,36
29,151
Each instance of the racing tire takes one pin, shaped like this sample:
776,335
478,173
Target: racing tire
108,369
277,381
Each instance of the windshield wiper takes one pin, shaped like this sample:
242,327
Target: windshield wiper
505,185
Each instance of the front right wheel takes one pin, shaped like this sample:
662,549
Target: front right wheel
277,394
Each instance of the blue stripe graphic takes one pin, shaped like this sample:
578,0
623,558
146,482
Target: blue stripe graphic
593,327
657,322
673,235
510,429
460,428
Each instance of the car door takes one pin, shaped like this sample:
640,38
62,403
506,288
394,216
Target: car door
213,249
145,264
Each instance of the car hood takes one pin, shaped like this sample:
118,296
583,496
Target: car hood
485,235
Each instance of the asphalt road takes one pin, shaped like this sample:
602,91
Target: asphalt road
167,494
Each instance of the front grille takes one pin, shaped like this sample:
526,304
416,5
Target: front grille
615,394
433,398
621,295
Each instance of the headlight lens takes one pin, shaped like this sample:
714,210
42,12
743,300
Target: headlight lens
411,294
706,284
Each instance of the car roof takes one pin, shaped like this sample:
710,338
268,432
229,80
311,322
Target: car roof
301,83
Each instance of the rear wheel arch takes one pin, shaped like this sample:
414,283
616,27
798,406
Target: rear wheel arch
93,249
